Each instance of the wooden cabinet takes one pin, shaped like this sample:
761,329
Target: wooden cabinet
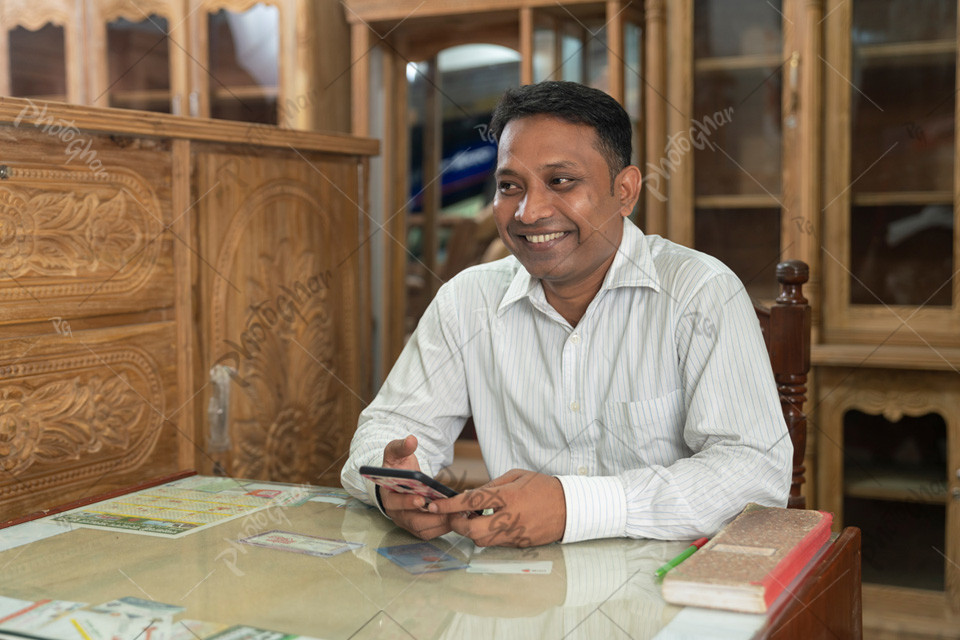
831,139
280,62
138,254
888,386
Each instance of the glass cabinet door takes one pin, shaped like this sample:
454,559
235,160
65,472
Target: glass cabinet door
735,137
890,217
40,52
243,52
37,63
138,64
903,68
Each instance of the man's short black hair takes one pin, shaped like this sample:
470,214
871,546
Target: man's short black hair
577,104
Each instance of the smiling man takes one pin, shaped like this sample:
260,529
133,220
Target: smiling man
618,382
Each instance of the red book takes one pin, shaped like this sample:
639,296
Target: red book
750,561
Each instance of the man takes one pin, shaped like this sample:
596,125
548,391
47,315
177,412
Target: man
618,383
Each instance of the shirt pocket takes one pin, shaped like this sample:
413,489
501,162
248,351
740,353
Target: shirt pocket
642,433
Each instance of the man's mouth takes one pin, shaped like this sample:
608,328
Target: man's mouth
544,237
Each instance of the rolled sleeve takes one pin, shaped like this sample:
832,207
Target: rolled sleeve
596,508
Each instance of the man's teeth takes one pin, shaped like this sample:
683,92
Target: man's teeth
544,238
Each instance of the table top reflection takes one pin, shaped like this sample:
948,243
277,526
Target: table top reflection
596,589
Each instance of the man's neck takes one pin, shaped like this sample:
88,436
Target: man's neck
571,300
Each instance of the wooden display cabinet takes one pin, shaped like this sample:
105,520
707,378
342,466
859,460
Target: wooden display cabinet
41,54
888,359
138,254
282,62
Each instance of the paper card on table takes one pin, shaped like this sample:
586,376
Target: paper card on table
133,606
242,632
530,567
90,625
36,614
300,543
421,557
333,496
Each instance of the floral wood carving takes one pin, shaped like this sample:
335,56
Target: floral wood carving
82,423
134,10
886,393
99,235
284,399
33,15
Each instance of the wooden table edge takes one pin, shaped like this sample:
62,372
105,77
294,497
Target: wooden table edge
82,502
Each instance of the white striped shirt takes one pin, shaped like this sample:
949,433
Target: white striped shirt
658,412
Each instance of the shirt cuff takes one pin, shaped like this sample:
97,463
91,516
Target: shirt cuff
596,508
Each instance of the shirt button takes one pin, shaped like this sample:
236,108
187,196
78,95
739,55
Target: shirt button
582,471
574,406
575,338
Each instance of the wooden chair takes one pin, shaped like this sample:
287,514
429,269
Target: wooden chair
786,332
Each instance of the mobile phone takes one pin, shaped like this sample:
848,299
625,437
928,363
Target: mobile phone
408,481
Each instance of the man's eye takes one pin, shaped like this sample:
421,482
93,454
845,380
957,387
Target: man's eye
562,180
506,187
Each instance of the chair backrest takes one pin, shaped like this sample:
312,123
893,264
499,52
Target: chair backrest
786,332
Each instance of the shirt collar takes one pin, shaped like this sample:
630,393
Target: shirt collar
632,266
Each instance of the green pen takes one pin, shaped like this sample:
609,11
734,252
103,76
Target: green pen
662,571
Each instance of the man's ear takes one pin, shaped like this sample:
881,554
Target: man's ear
628,189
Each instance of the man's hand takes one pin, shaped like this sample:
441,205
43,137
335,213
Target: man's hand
406,509
528,509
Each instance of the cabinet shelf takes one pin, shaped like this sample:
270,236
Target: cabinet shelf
738,63
907,52
151,96
736,201
250,91
869,199
896,484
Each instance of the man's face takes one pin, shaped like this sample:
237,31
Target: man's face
554,208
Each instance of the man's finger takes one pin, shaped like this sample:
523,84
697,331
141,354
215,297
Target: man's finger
397,451
508,477
395,501
426,526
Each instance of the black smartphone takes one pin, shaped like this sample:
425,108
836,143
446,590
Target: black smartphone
407,481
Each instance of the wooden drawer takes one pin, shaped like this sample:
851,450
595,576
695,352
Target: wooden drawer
83,222
85,413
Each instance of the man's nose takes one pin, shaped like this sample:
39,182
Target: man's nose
537,204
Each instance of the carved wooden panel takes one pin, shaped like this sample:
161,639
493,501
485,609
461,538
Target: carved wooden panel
280,298
82,412
82,221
